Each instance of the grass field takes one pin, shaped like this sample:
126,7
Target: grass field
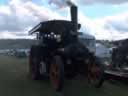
14,81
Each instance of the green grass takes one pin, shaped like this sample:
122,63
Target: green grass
14,81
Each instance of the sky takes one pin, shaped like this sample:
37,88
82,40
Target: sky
104,19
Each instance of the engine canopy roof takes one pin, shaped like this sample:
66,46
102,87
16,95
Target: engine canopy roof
56,26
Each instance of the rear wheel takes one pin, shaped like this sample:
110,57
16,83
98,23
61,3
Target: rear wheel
37,67
95,75
57,73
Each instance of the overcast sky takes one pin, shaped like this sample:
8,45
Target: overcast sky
105,19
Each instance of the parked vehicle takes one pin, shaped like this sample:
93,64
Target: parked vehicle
118,69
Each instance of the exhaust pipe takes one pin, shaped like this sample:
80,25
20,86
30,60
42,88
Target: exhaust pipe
74,20
74,17
73,12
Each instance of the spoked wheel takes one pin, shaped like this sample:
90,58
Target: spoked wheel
57,73
95,75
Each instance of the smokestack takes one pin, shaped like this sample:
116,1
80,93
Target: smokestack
74,18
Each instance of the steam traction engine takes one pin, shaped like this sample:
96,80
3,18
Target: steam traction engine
59,53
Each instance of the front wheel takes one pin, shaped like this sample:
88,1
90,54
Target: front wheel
33,65
56,73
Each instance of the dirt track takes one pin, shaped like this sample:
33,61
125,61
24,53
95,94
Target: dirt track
14,81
